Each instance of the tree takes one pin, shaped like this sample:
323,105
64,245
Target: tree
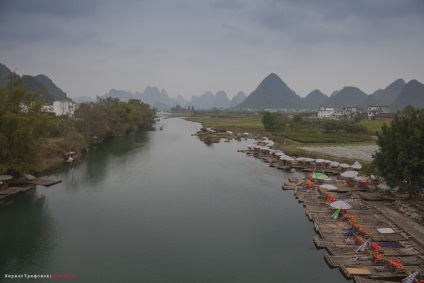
91,121
298,119
400,158
23,128
270,121
408,109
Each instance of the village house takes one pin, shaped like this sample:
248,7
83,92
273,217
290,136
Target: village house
349,112
61,107
325,112
373,111
384,116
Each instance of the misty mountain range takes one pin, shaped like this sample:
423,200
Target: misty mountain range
49,92
271,93
160,99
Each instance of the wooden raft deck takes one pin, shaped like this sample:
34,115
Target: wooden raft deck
378,272
361,279
354,264
44,182
13,191
366,259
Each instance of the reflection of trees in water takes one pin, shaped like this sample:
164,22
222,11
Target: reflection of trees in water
26,234
93,167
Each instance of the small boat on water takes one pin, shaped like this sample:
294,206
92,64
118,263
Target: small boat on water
71,156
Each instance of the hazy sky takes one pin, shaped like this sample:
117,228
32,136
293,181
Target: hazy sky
188,47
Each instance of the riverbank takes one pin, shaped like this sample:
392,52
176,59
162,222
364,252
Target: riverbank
315,144
376,220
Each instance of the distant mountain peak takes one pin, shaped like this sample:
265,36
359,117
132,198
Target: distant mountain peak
396,85
272,93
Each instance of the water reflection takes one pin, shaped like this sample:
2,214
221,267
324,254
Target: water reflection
164,207
90,171
27,234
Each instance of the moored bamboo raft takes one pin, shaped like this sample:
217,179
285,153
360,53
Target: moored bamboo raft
348,260
332,233
378,272
289,186
367,259
361,279
14,190
43,182
10,191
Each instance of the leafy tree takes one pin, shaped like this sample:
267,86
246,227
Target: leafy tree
409,108
112,118
329,126
400,158
23,128
91,121
298,119
270,121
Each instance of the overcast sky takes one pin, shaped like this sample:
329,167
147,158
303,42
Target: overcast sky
188,47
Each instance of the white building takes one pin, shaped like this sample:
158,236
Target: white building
47,108
325,112
374,110
64,107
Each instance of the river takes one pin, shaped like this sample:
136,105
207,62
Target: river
162,206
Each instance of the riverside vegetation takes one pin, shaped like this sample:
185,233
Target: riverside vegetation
32,140
290,131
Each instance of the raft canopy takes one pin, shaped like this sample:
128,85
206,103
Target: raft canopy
5,177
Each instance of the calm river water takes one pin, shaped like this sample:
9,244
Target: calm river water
163,207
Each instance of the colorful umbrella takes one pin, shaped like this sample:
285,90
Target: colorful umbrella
340,204
336,214
349,174
410,278
344,165
328,187
319,176
356,165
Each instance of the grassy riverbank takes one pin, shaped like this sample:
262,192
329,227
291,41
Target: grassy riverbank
291,139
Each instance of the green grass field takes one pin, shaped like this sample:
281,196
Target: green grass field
372,126
247,122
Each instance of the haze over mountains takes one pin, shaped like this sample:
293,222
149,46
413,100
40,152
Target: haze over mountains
160,99
49,92
271,93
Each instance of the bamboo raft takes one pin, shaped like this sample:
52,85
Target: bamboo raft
364,259
14,190
361,279
43,182
288,186
378,272
4,193
333,233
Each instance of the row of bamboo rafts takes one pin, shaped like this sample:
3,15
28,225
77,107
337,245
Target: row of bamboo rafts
353,241
274,161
